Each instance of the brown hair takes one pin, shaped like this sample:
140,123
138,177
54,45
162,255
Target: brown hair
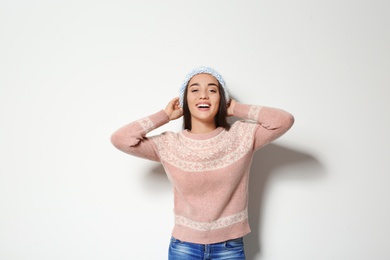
220,118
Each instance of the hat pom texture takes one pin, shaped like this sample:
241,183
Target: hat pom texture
202,70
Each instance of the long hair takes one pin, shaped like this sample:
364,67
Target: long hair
220,118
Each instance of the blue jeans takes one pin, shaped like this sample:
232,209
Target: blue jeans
231,249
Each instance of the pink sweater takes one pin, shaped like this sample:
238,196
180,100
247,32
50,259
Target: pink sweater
209,172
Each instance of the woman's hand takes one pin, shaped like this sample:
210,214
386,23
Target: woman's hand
230,108
173,109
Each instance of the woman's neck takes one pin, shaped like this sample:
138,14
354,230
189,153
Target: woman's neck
201,127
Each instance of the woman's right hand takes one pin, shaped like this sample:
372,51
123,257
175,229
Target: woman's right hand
173,109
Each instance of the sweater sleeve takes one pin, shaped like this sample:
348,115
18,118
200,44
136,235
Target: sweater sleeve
132,138
272,122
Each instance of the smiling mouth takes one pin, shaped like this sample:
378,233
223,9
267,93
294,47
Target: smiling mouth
203,105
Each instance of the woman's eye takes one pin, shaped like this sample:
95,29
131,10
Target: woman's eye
194,90
213,91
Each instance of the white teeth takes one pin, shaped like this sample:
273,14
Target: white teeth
203,105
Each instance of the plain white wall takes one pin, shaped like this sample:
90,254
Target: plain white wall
72,72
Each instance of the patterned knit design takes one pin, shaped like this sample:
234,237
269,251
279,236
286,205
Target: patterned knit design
146,124
206,155
216,224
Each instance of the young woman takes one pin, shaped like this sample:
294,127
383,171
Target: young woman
207,162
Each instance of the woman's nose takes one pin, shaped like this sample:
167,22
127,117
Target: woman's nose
204,94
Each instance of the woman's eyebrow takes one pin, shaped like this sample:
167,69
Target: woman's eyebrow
193,84
197,84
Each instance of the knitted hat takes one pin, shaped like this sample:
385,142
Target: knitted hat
202,70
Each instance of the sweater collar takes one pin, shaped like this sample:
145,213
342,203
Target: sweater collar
206,136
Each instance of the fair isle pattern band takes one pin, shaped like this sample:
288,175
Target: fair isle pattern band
146,124
217,224
205,155
253,113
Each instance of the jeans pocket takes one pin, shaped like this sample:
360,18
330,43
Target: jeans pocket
183,250
235,244
175,241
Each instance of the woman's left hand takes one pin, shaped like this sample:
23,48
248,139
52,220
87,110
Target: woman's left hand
230,108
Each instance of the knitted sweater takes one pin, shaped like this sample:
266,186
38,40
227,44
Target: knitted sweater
209,172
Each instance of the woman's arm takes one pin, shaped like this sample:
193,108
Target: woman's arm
132,139
273,122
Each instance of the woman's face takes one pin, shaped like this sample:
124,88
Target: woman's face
203,98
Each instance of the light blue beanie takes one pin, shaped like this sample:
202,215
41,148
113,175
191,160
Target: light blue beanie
202,70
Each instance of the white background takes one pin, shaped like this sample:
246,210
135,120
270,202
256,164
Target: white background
72,72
